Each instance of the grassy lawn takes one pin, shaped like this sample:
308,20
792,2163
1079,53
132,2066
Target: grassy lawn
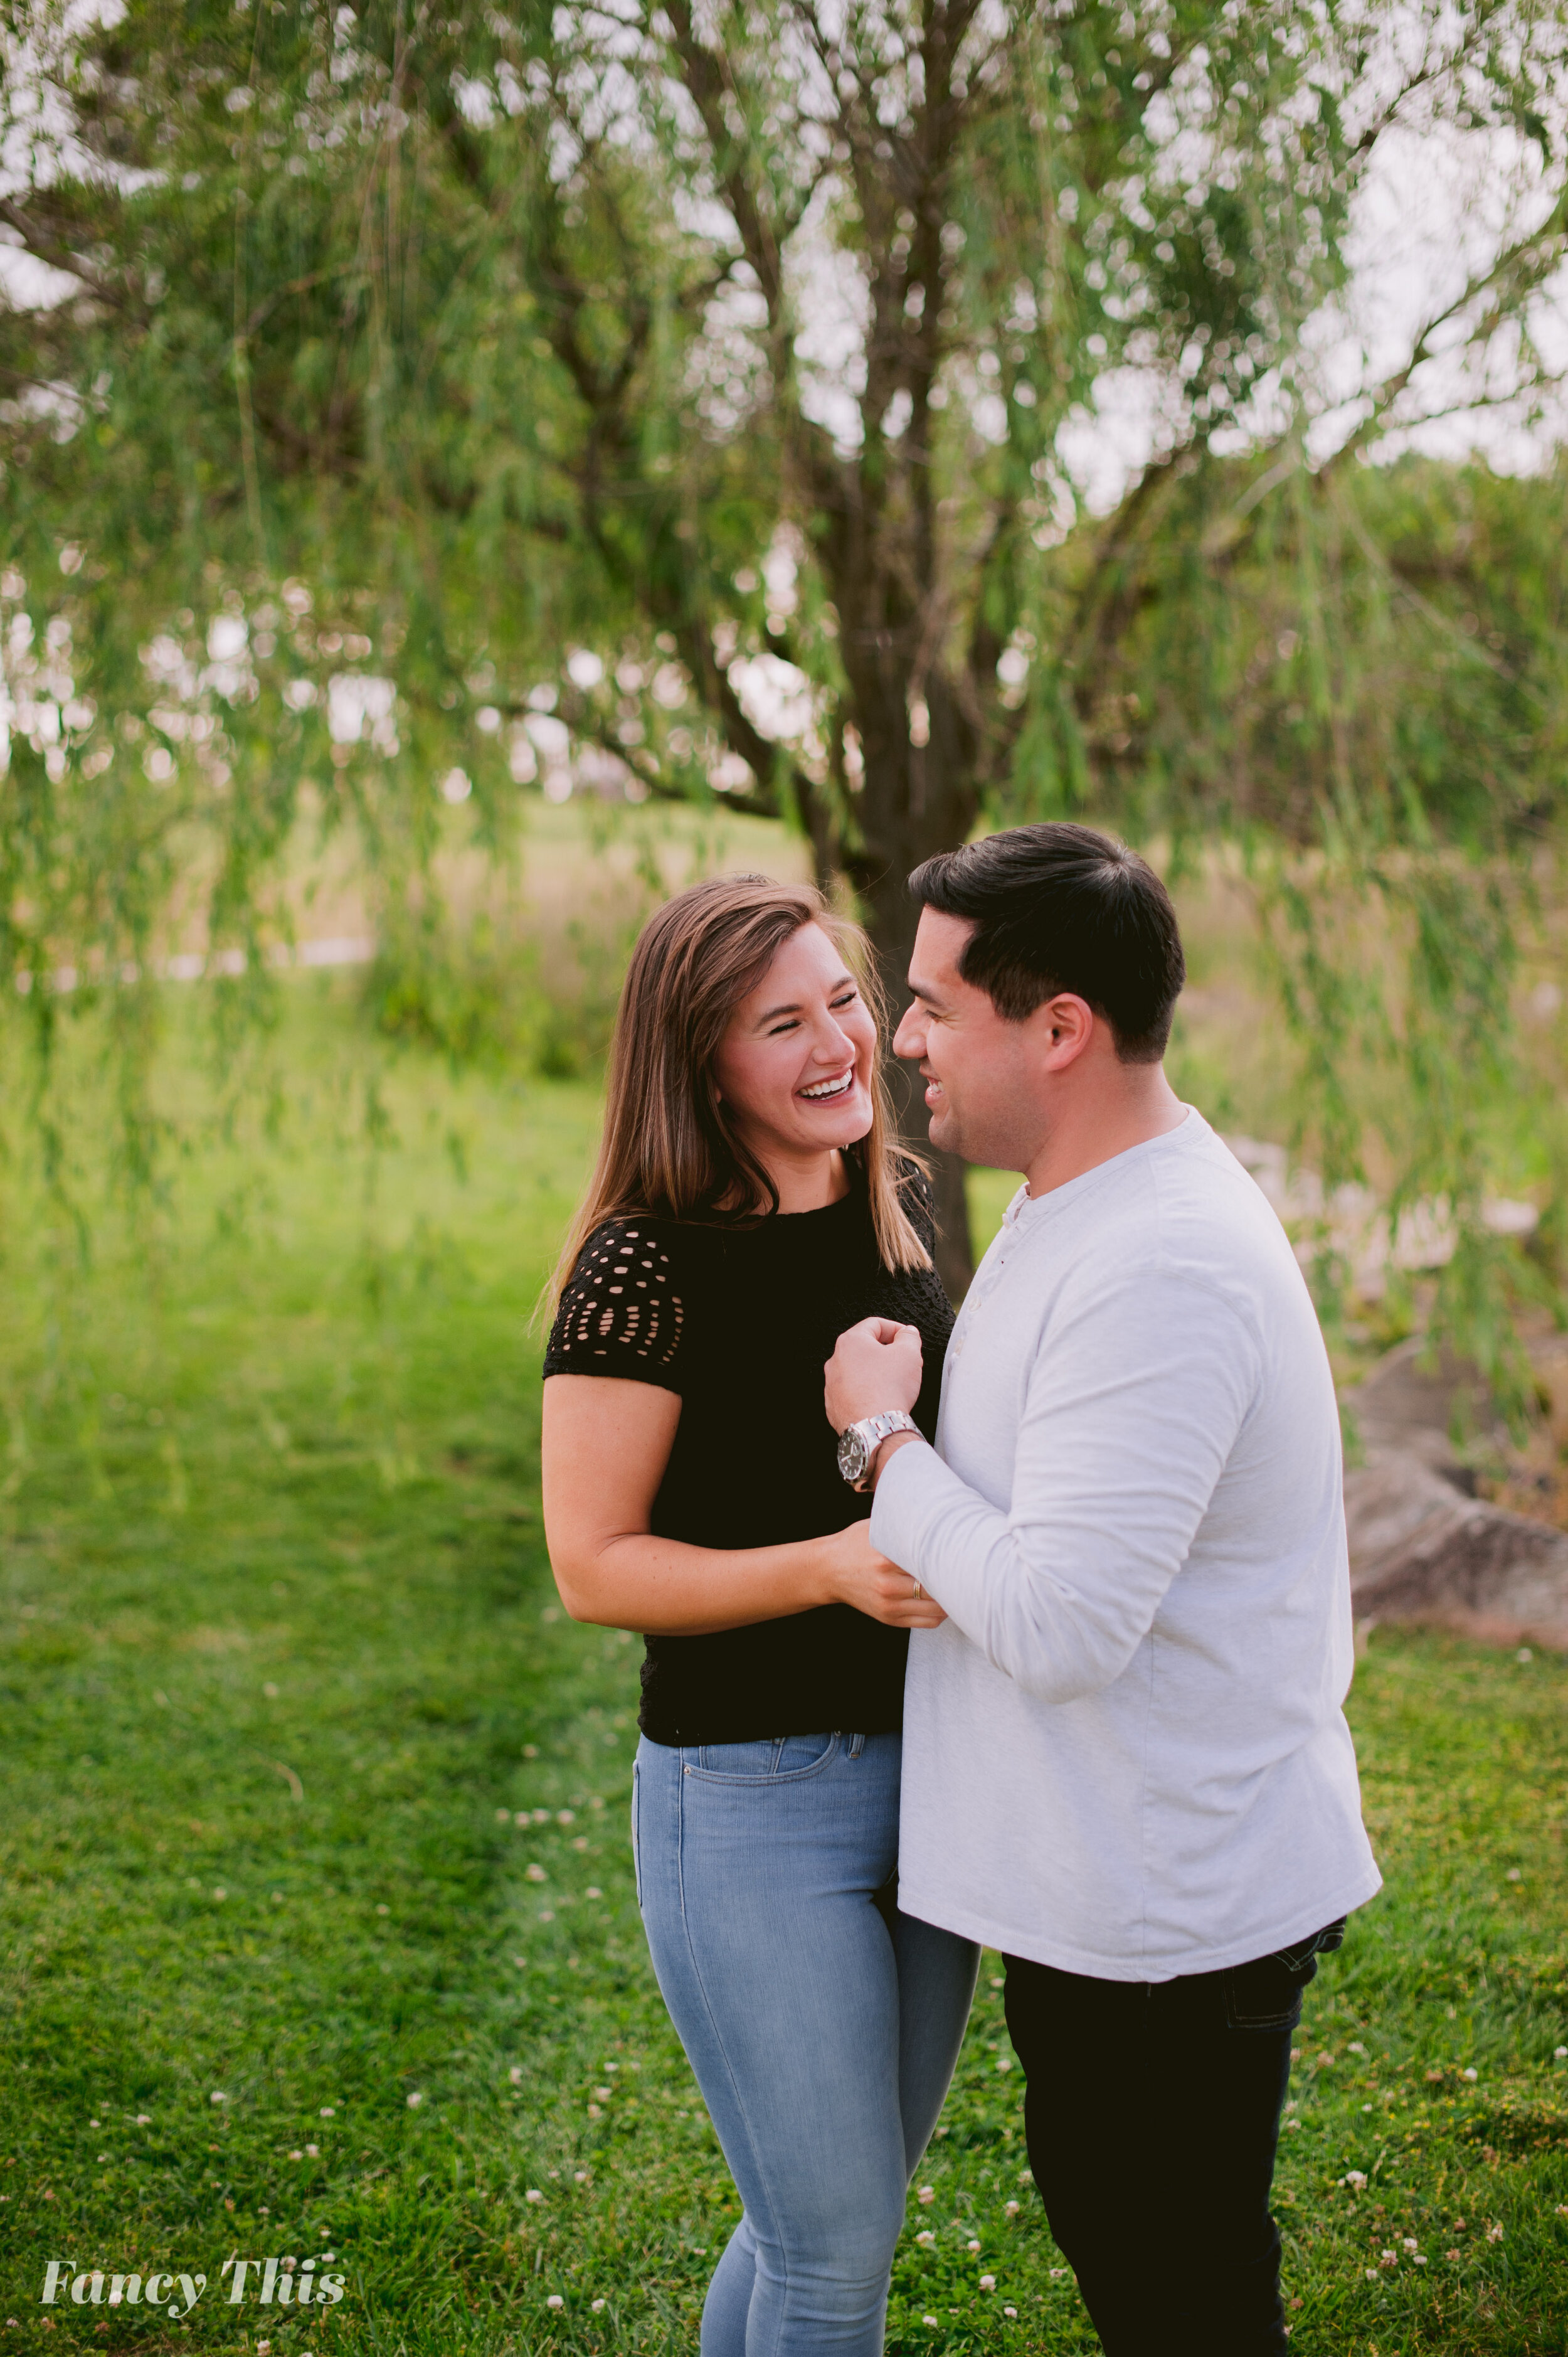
318,1928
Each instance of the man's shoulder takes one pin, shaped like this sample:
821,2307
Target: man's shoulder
1214,1207
1185,1215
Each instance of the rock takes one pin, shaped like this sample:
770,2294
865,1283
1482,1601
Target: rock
1406,1405
1423,1549
1423,1552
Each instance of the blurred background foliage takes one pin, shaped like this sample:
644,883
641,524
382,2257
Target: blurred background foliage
411,424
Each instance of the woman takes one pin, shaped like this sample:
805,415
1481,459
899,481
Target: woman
749,1204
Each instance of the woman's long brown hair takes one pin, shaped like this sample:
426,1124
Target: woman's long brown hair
669,1147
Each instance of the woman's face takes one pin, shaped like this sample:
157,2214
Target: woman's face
795,1066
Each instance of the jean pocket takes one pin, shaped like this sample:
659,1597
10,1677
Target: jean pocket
1266,1994
773,1760
636,1853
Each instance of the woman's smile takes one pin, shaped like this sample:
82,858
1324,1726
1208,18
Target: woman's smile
823,1091
802,1043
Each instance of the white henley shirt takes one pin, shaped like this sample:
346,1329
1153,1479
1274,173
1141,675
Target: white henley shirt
1124,1753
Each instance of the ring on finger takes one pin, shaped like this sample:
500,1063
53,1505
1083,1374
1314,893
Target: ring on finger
920,1591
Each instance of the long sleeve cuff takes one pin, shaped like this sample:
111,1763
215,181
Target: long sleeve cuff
918,1497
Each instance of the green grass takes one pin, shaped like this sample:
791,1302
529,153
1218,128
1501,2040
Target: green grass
280,1667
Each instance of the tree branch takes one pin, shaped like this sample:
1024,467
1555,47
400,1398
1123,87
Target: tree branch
47,248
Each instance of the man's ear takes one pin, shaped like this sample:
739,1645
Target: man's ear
1068,1022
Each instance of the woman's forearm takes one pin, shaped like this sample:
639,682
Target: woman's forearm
663,1588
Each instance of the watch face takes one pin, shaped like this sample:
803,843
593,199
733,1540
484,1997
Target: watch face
853,1453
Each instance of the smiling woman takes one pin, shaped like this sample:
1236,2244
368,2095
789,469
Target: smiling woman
796,1069
748,1205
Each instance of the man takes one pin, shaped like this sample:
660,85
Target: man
1126,1762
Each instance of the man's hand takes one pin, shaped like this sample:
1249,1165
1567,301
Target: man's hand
876,1366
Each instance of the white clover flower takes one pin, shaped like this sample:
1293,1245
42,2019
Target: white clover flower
973,2247
415,2100
927,2319
554,2300
533,2194
1471,2074
927,2195
1012,2209
598,2304
987,2283
928,2237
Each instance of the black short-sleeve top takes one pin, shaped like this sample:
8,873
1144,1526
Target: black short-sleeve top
739,1322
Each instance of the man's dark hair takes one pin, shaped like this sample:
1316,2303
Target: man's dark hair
1063,908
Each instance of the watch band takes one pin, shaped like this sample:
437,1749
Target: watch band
859,1444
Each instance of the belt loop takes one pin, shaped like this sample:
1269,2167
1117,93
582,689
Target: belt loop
856,1746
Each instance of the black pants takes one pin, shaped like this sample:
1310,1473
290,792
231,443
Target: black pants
1153,2113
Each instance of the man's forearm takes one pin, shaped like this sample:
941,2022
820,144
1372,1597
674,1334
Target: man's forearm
1001,1584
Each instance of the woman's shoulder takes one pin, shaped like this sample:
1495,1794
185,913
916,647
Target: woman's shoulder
625,1307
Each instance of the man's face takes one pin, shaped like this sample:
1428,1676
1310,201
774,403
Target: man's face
983,1074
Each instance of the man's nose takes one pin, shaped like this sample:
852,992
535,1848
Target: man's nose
909,1039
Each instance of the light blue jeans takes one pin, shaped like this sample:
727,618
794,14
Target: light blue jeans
823,2030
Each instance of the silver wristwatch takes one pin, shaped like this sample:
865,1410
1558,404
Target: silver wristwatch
859,1443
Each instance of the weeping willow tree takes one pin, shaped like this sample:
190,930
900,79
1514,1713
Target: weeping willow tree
392,400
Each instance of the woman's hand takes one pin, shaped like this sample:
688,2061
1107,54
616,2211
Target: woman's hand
857,1575
875,1366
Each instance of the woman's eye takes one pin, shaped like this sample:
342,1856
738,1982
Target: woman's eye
848,1000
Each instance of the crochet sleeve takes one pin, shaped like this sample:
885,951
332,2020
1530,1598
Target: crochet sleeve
622,1312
